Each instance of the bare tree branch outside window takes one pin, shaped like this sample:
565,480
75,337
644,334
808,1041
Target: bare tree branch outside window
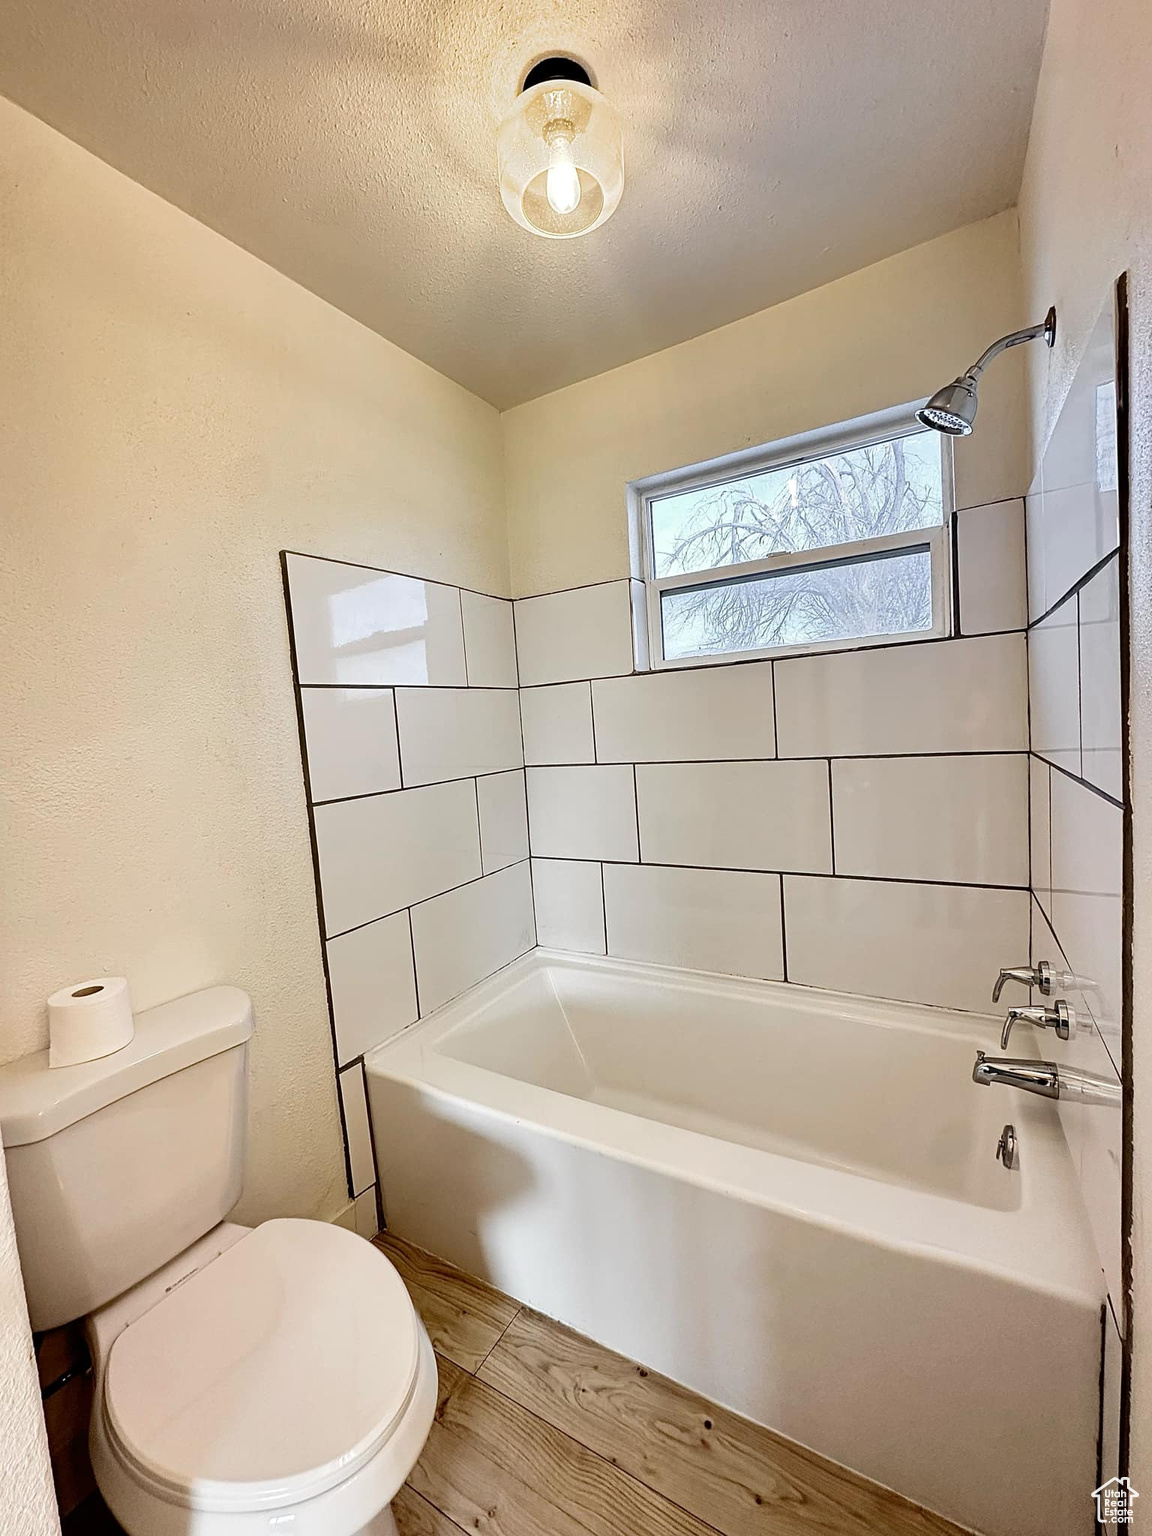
863,493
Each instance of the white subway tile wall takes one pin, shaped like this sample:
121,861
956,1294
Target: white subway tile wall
722,920
569,897
1077,785
456,733
352,624
1073,505
767,815
991,568
939,944
1086,897
582,813
351,736
373,984
503,808
354,1103
961,819
557,724
565,637
685,716
1094,1140
383,852
664,806
489,641
1054,686
935,696
1101,734
467,934
1040,829
410,729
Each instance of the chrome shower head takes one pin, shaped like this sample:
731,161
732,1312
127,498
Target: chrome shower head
952,410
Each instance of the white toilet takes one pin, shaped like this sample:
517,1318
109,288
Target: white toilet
273,1379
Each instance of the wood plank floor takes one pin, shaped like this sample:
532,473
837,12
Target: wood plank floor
540,1432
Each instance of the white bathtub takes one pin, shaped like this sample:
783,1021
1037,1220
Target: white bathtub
785,1199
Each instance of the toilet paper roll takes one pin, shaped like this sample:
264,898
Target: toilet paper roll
88,1020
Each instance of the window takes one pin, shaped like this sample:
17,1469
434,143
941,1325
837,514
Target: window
835,539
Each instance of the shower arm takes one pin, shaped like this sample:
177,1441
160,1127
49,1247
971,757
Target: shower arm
1046,328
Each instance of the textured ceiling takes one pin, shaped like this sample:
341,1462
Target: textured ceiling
771,146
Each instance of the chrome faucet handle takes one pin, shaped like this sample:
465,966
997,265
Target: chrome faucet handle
1059,1017
1039,976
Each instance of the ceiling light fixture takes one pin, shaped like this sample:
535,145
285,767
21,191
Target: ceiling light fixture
560,153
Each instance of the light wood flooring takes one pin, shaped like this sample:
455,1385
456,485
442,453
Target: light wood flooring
540,1432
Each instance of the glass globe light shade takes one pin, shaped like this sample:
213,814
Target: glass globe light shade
561,159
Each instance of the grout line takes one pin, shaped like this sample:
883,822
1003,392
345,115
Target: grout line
805,757
584,586
604,906
1083,783
383,570
997,501
953,536
783,931
775,722
371,1141
424,900
806,874
1124,430
479,828
1075,589
379,794
415,973
314,848
412,687
1079,685
1028,844
1048,886
636,809
739,659
399,747
463,636
831,820
592,718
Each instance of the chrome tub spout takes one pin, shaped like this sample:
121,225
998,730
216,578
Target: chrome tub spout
1047,1078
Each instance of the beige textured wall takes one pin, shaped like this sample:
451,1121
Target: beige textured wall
27,1501
1086,215
172,413
891,333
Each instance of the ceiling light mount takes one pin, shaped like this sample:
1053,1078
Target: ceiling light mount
555,68
560,152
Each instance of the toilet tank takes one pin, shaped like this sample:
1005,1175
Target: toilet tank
115,1166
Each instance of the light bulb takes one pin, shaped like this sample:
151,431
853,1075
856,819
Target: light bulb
562,183
559,153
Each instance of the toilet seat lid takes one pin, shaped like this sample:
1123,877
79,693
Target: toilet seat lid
268,1376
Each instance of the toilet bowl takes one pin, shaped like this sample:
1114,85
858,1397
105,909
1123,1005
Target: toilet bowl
272,1379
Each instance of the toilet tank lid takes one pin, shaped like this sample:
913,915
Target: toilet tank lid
37,1101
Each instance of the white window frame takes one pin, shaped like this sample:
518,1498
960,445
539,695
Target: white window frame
882,426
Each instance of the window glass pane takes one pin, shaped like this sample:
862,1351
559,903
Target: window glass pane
862,493
807,605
